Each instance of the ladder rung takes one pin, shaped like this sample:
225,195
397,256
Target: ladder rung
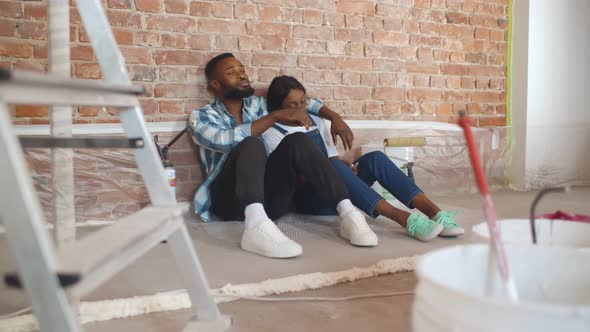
81,142
38,89
52,81
87,263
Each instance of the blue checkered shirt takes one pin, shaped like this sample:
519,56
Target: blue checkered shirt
217,133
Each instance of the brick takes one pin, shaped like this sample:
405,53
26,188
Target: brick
388,65
491,121
322,33
457,18
485,97
177,57
453,69
305,46
32,30
119,4
497,35
391,52
353,21
482,83
480,70
7,28
245,11
355,49
221,26
172,74
373,108
87,70
373,23
444,109
153,6
352,93
432,41
333,19
457,57
272,43
351,78
89,111
315,17
411,27
142,73
124,19
200,9
31,65
424,94
312,76
199,42
421,67
456,96
362,64
123,37
226,43
393,24
336,47
497,83
393,11
390,38
427,108
171,23
453,82
246,43
427,15
370,79
31,111
391,108
372,50
484,21
34,10
427,28
268,29
437,81
388,93
269,13
222,9
171,107
12,9
317,62
146,38
349,35
176,6
173,40
482,33
82,52
17,49
195,75
425,54
421,81
440,55
291,15
266,74
356,7
136,55
178,90
274,60
408,53
331,77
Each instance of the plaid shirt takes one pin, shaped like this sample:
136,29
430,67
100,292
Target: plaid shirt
217,133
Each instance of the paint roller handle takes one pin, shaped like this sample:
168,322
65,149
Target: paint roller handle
465,123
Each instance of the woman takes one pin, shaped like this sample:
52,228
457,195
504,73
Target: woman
287,92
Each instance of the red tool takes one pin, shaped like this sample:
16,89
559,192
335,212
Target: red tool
489,210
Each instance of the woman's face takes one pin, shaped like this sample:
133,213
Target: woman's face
295,99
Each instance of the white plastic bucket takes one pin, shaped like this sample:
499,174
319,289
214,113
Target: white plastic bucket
553,285
549,232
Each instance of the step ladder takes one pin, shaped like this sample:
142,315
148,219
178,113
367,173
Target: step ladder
55,279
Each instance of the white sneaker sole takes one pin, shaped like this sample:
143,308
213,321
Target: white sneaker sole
367,243
247,246
452,232
439,228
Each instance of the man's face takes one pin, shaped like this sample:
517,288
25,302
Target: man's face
230,80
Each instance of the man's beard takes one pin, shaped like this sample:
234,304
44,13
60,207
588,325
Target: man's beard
235,93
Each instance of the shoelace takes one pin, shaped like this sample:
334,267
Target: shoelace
419,223
445,218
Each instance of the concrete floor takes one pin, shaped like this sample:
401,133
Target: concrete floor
224,262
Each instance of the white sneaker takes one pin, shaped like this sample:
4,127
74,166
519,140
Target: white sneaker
267,240
355,229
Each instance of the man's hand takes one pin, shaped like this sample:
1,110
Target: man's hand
292,117
340,128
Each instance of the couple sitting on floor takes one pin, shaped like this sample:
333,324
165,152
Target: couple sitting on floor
266,158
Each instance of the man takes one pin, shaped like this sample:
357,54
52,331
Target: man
241,179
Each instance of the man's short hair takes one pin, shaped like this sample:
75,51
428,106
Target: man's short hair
210,67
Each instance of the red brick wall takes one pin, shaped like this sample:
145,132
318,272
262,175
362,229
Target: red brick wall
395,59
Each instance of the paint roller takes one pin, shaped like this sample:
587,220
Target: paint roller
401,142
496,250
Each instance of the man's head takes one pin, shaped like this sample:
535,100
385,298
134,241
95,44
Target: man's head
227,78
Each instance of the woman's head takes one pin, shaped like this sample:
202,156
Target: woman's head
285,92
